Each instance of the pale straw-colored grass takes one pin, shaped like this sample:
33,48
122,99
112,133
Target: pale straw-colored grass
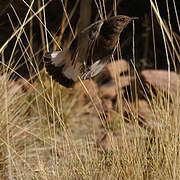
46,132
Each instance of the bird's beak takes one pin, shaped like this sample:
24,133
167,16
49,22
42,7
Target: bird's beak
134,18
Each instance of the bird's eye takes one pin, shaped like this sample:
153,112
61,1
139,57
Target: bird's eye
121,19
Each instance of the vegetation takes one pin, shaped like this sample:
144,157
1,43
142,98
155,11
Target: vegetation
50,132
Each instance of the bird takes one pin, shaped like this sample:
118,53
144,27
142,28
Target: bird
88,53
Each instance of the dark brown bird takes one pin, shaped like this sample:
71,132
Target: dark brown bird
89,52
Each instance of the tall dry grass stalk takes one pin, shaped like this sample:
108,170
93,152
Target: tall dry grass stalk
46,132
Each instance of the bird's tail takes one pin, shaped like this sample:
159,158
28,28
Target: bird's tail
59,65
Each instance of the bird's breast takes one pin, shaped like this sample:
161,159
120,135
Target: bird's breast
104,47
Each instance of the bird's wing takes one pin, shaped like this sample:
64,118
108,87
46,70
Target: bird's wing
58,65
96,67
65,66
83,46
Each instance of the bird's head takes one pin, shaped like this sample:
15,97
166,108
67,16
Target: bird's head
115,25
120,22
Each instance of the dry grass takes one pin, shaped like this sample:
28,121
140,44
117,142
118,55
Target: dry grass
47,133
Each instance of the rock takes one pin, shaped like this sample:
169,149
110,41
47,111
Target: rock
143,113
92,96
124,81
116,68
124,139
12,87
86,91
141,109
108,90
162,79
107,141
25,84
105,109
111,71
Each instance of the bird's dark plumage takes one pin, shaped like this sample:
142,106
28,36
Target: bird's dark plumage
89,52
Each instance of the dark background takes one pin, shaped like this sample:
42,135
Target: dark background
145,57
